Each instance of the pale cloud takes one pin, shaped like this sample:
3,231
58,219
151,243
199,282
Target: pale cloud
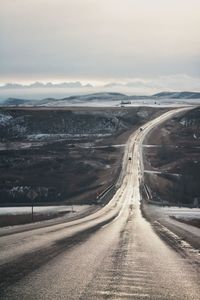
173,83
99,39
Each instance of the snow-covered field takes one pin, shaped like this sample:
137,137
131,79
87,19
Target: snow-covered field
178,212
6,211
45,136
186,213
116,103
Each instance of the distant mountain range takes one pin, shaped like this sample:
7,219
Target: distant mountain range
37,84
75,84
101,97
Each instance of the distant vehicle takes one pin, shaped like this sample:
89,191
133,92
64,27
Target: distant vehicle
129,158
141,128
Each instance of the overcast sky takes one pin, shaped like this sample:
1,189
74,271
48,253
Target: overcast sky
99,40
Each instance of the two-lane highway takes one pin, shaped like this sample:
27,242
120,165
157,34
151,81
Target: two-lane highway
110,254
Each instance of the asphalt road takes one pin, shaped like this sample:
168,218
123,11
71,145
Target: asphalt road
111,254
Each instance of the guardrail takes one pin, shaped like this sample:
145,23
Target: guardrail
107,194
150,197
148,192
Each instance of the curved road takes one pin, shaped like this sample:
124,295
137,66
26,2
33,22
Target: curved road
111,254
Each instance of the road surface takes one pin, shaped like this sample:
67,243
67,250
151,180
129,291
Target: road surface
111,254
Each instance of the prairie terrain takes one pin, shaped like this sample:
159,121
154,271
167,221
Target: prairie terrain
172,160
61,155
